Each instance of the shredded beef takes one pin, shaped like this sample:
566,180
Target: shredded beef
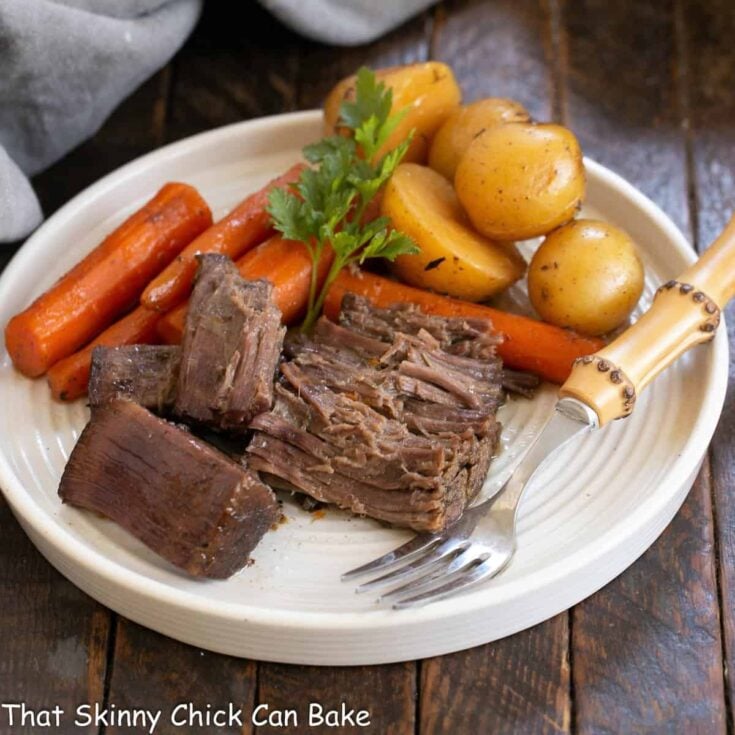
390,413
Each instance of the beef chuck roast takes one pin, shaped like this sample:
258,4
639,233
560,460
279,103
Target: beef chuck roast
184,499
189,502
390,413
230,349
144,374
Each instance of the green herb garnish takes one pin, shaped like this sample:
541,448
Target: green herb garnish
328,204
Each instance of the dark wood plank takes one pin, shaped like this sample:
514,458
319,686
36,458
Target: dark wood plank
621,94
6,253
646,649
156,673
521,683
386,693
709,65
229,71
499,49
516,685
53,638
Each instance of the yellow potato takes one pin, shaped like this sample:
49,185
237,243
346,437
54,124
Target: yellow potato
428,90
464,125
586,275
521,180
454,259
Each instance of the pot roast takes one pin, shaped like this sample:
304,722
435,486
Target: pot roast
231,346
390,414
189,502
181,497
144,374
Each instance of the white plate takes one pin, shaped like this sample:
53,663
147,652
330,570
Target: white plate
600,505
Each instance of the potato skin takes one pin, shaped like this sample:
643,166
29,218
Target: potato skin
465,124
521,180
429,91
586,275
454,259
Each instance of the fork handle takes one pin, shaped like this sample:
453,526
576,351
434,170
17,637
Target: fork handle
685,312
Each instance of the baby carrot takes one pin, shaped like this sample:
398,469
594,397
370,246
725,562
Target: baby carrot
108,281
244,227
531,345
285,263
68,378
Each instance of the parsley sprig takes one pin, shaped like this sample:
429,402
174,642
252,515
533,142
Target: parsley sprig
327,207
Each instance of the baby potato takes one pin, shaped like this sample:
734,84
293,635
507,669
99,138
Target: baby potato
454,259
521,180
586,275
464,125
429,91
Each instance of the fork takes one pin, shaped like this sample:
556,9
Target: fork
433,566
600,388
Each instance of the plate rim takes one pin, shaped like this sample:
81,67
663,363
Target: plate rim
154,591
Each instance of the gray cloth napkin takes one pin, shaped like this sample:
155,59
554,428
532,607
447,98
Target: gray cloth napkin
66,64
344,22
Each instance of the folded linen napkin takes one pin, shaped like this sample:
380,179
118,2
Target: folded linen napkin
66,64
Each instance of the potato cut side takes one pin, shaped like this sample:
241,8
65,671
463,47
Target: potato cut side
454,259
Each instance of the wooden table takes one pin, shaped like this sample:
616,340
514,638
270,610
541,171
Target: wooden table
648,86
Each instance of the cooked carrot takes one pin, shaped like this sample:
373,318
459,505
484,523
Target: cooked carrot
244,227
107,282
171,327
529,344
68,377
285,263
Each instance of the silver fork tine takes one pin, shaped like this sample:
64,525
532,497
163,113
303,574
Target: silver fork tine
464,578
430,580
434,556
406,552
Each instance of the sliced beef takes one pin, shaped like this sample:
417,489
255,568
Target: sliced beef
230,348
390,413
185,500
144,374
